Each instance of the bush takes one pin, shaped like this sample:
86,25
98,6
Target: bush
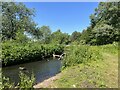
80,54
16,53
6,83
25,82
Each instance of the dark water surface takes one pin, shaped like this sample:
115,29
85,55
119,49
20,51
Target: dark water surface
41,69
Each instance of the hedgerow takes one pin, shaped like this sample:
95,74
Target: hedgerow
16,53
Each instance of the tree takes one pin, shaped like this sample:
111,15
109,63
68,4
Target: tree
104,34
46,33
59,38
75,36
105,23
87,36
42,34
16,17
21,37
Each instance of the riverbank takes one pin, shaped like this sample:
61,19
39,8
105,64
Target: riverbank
17,53
48,82
95,74
83,66
42,70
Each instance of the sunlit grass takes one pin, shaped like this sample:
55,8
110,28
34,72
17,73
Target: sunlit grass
101,73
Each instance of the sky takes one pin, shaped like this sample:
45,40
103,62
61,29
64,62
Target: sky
66,16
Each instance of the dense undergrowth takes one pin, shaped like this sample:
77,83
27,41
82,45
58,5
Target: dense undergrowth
77,54
25,82
16,53
80,54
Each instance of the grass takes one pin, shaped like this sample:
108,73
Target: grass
96,74
93,74
80,54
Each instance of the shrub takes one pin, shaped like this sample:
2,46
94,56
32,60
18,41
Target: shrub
14,53
25,82
6,84
80,54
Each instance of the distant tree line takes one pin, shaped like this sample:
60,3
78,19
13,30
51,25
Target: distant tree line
18,25
105,25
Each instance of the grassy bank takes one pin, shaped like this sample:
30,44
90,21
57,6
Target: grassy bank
95,73
16,53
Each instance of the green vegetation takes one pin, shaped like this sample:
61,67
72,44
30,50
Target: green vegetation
18,25
110,48
99,73
80,54
25,82
6,83
83,54
104,28
16,53
88,60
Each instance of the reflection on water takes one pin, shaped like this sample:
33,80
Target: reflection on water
41,69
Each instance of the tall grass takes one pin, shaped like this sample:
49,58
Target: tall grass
80,54
83,53
110,48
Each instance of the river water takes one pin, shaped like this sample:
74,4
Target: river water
41,69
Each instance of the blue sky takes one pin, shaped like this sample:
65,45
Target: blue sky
66,16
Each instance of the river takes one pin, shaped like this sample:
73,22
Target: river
42,70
